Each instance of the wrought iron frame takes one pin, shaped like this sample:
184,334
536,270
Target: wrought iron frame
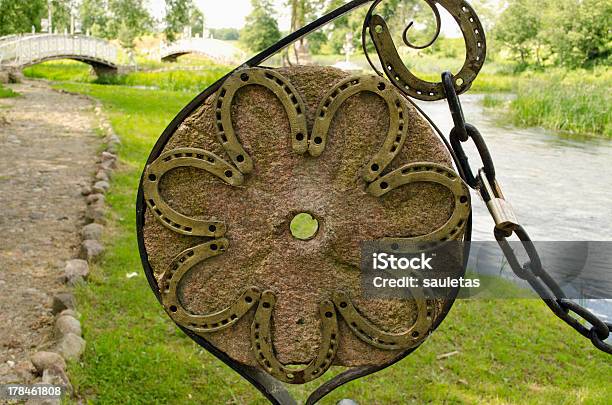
271,388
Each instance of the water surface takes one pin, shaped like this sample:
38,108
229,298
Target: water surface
559,186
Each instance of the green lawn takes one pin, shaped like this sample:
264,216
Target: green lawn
510,351
175,79
6,92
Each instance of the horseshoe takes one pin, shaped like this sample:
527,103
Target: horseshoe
186,157
404,79
396,136
430,173
261,341
376,337
286,93
201,323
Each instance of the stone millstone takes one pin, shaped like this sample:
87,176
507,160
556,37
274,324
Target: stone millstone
262,251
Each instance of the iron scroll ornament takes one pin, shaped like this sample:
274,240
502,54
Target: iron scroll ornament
264,382
393,66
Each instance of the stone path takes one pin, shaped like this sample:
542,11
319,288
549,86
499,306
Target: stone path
47,149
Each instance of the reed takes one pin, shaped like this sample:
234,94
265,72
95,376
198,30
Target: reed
577,102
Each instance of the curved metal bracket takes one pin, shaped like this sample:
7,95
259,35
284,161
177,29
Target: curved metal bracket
435,35
270,387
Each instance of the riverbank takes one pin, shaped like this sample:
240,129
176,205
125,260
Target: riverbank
508,351
183,77
577,102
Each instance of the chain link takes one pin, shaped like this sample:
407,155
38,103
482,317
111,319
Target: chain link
506,225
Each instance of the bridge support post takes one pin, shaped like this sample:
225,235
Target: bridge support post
104,70
10,75
170,59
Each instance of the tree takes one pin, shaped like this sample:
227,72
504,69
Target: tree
20,16
132,14
518,28
340,27
397,13
302,12
572,33
579,33
226,34
62,11
261,29
316,41
109,18
197,21
95,15
177,17
126,36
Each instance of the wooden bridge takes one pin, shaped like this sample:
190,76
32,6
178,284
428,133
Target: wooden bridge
19,51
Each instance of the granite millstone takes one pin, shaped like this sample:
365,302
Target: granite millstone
262,252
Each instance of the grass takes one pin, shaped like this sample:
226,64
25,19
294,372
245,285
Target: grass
6,92
510,351
175,80
484,83
578,102
490,80
304,226
494,100
61,71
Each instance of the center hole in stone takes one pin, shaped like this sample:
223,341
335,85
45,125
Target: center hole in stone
304,226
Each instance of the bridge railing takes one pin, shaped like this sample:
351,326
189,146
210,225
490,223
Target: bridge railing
215,49
27,49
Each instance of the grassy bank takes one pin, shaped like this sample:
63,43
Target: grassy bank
178,80
509,351
6,92
578,102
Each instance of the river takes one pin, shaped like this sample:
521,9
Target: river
559,186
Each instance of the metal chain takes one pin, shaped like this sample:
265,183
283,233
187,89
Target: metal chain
506,225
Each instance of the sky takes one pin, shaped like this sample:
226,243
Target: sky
226,13
231,14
